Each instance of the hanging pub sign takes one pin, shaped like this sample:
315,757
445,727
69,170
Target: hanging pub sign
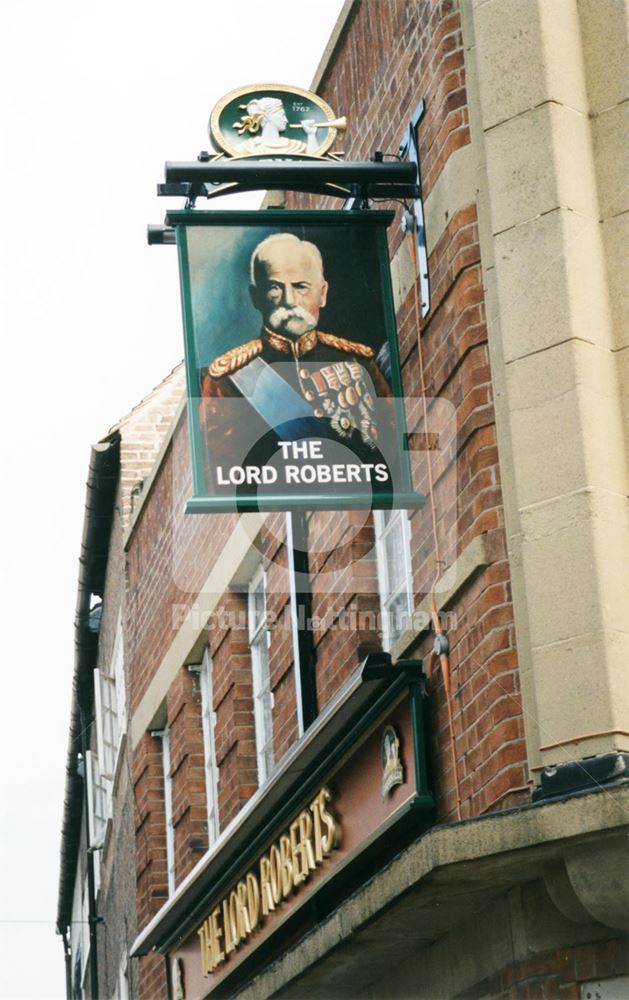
293,375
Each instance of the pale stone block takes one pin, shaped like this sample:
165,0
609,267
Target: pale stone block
537,162
605,989
548,440
622,370
560,399
402,274
551,284
560,565
529,53
575,552
604,33
610,139
610,525
615,242
563,63
582,691
572,695
455,188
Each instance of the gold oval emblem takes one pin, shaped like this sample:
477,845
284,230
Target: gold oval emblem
270,119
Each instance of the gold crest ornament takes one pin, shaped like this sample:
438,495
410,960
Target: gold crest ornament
271,120
392,770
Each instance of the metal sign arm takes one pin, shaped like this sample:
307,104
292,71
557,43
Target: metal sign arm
409,148
364,180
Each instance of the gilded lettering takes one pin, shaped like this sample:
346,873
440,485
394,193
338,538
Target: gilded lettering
268,903
234,923
305,832
329,837
206,966
243,912
218,955
296,853
316,814
286,865
276,878
253,900
230,944
298,874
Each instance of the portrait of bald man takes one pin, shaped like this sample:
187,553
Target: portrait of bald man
332,377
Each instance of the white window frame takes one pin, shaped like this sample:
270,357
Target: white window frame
106,722
123,992
164,736
97,811
398,522
85,931
111,714
208,721
259,641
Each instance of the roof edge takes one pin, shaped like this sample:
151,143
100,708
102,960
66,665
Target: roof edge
100,495
330,50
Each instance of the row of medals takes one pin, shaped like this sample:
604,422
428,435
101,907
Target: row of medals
340,392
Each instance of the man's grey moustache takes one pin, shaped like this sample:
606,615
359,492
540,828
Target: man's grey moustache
281,314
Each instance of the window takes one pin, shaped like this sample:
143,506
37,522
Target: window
262,696
208,719
111,715
77,976
395,581
97,811
85,938
106,722
163,735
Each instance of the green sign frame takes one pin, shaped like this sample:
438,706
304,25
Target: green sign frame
226,352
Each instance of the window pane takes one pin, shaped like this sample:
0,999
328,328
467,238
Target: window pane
263,712
168,812
394,574
257,606
395,556
398,614
211,771
388,516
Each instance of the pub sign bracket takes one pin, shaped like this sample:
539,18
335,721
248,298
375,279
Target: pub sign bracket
276,396
409,149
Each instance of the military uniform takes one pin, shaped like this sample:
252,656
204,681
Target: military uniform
326,371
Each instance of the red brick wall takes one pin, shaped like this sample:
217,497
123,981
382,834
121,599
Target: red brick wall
169,558
487,711
285,729
153,977
345,603
557,975
150,830
187,771
391,55
233,704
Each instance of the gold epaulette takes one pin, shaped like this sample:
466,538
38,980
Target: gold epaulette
235,358
349,346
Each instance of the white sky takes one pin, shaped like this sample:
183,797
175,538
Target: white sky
95,97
